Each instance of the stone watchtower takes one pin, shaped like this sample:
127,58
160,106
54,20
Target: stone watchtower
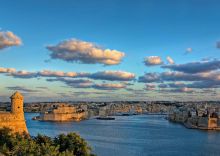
15,119
17,103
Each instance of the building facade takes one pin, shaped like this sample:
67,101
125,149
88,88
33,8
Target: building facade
63,112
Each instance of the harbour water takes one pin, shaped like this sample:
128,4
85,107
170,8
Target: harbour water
137,135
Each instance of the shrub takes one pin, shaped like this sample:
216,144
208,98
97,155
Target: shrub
23,145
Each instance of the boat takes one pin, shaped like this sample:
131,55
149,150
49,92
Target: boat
105,118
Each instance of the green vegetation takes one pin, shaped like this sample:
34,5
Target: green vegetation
23,145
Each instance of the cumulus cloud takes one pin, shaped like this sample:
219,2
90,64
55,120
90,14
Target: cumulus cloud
177,90
178,76
84,52
186,77
161,77
84,83
102,75
17,74
170,60
109,86
44,73
48,73
85,93
179,79
149,77
153,60
177,85
7,70
195,67
136,92
113,76
162,85
183,90
22,89
75,83
150,86
23,74
205,84
188,50
8,39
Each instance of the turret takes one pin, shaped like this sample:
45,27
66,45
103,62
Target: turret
17,103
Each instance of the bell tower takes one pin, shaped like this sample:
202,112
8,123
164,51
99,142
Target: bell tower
17,103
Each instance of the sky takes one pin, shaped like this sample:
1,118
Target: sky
110,50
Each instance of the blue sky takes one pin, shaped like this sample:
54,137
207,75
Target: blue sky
139,29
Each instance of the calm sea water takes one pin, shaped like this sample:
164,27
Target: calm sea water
134,136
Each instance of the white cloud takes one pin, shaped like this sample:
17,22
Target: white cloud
195,67
113,76
185,89
102,75
7,70
84,83
188,50
109,86
84,52
22,74
48,73
153,60
8,39
170,60
150,86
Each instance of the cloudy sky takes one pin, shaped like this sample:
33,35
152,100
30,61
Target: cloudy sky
104,50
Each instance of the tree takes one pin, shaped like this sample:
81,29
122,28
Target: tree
42,145
73,143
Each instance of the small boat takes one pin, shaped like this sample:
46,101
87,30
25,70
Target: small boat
105,118
126,114
36,118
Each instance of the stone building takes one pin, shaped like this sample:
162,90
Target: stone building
63,112
15,118
202,119
208,123
179,115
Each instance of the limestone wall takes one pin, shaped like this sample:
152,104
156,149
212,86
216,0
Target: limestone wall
64,110
15,119
62,116
213,123
208,122
16,126
63,113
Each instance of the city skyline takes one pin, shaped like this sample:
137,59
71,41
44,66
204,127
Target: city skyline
110,50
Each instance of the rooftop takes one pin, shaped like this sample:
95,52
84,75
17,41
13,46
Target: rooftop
17,95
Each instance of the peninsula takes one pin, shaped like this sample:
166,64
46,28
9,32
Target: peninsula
203,117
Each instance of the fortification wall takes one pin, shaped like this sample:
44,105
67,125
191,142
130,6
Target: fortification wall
213,123
14,120
208,122
62,116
